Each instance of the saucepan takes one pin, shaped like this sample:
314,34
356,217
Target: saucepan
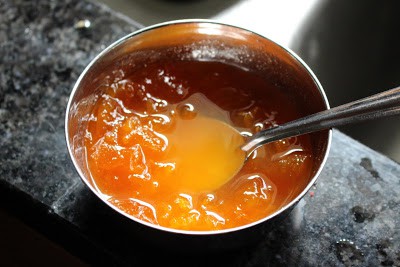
204,51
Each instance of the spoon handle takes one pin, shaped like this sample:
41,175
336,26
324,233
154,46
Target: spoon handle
376,106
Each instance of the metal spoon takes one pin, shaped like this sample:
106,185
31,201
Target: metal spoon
376,106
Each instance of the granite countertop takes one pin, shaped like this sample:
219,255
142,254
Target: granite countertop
350,218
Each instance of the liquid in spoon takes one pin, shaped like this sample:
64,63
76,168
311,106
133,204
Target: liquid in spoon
206,152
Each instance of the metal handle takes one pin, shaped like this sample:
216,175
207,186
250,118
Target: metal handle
376,106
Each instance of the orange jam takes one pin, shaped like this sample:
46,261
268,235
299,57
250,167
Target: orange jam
163,145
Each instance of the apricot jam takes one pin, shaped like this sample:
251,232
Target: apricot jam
163,145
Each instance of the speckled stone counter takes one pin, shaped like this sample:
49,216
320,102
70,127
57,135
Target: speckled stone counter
350,218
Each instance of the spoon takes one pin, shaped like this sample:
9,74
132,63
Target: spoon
376,106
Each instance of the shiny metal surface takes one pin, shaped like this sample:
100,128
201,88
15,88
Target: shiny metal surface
352,46
278,20
378,106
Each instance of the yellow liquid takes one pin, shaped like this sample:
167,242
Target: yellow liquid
206,152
